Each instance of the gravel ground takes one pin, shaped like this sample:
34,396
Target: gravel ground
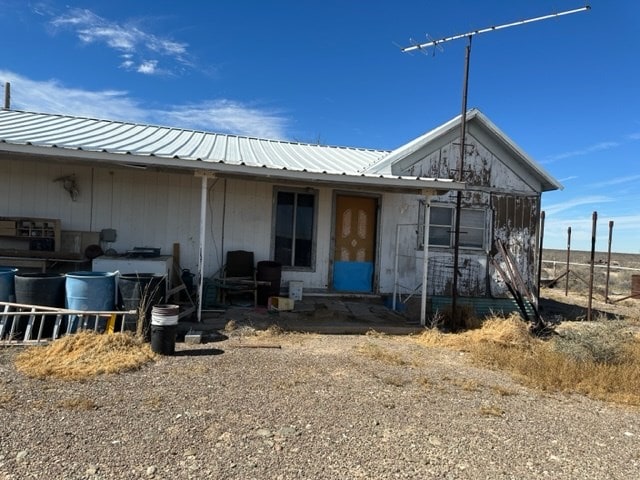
319,407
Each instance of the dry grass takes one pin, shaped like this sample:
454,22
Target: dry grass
492,410
376,352
78,404
602,363
84,355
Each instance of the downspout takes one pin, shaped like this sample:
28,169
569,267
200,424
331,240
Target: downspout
425,261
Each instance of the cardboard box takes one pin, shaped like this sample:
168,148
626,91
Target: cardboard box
280,304
77,242
295,290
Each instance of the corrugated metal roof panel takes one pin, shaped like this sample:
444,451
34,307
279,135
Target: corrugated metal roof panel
88,134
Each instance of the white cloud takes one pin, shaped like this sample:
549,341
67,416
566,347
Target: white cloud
616,181
221,115
598,147
576,202
129,40
148,67
231,117
52,97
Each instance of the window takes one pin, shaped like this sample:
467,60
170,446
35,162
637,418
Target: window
442,225
295,214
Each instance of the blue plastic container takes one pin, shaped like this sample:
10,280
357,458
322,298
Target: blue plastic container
90,291
7,288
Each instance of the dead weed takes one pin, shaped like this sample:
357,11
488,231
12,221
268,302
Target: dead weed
83,355
603,363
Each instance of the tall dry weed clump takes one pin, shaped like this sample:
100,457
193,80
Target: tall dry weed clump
83,355
600,360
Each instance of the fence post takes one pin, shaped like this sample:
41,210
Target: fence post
606,283
592,263
566,280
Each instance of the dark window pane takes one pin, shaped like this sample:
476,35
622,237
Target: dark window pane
304,230
441,216
440,236
284,228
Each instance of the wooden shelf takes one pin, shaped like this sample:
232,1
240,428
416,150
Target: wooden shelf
39,234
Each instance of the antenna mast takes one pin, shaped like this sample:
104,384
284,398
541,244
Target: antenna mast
455,320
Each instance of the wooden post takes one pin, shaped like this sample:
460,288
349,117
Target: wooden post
593,259
566,281
542,215
606,283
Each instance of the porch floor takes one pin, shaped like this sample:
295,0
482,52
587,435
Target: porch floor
313,314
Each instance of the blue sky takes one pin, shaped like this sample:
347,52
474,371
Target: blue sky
331,71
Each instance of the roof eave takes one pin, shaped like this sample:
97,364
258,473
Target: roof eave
378,182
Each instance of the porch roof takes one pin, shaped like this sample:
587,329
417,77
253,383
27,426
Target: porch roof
81,139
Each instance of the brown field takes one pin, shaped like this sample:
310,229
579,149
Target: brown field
620,281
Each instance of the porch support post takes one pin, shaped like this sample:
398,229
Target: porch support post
425,262
203,235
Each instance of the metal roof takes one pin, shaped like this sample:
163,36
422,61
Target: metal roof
93,140
87,134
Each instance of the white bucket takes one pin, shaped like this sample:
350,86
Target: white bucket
165,315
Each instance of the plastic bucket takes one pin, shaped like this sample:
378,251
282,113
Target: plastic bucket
7,291
136,289
271,272
165,315
90,291
164,326
44,289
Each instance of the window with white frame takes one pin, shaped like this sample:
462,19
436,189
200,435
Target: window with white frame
442,226
294,230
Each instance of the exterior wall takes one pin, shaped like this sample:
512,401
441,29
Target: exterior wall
147,208
157,209
506,191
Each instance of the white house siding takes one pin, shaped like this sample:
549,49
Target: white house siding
146,208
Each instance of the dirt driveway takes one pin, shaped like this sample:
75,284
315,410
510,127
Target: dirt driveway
318,407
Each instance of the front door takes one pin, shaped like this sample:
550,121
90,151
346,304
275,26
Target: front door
354,253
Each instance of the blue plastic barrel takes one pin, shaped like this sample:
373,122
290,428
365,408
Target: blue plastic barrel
7,289
90,291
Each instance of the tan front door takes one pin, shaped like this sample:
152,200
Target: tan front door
355,246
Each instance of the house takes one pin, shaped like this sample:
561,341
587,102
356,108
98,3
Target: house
337,219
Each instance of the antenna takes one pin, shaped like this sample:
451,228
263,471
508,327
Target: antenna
455,320
436,43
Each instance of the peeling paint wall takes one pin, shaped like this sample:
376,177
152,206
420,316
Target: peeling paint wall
511,201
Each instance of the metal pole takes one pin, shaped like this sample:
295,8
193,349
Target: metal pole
7,96
566,281
542,215
606,283
395,270
425,261
593,258
455,323
203,236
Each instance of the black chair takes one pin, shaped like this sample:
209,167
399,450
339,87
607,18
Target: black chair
238,276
